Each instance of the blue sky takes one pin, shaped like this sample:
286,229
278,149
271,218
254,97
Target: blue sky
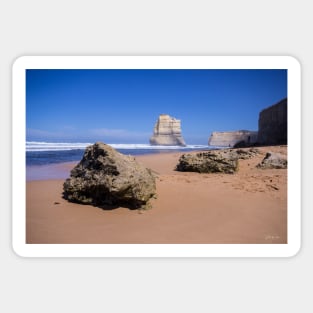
122,106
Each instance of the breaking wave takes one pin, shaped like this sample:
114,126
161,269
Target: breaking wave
67,146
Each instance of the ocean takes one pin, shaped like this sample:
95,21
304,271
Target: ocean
47,153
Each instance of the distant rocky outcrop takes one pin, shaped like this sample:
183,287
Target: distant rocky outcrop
231,138
167,132
273,124
208,162
107,177
273,160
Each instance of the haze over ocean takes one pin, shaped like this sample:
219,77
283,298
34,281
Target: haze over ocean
122,106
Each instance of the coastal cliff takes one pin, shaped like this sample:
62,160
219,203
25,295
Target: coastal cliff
167,132
231,138
273,124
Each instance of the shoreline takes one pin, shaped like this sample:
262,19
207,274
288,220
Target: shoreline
49,171
62,170
249,206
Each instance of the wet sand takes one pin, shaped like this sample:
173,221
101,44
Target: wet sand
247,207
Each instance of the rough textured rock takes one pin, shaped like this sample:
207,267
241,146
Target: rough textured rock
223,161
107,177
231,138
167,132
273,124
245,154
273,160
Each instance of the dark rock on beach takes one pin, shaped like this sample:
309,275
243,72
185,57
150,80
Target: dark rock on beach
222,161
107,177
273,160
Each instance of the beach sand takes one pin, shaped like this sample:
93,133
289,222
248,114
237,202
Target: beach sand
247,207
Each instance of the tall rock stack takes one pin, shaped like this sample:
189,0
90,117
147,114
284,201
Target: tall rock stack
167,132
273,124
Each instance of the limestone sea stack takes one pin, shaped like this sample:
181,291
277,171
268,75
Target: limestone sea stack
107,177
233,138
167,132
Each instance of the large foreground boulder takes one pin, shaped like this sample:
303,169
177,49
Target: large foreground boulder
224,161
107,177
273,160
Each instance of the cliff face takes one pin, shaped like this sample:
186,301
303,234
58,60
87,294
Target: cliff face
273,124
167,132
229,139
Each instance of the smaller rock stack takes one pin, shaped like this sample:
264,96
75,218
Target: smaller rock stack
167,132
233,138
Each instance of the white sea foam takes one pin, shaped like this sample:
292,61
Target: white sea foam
55,146
66,146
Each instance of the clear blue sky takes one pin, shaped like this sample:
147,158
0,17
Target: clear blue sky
122,106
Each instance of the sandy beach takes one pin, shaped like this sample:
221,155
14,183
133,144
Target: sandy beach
249,206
